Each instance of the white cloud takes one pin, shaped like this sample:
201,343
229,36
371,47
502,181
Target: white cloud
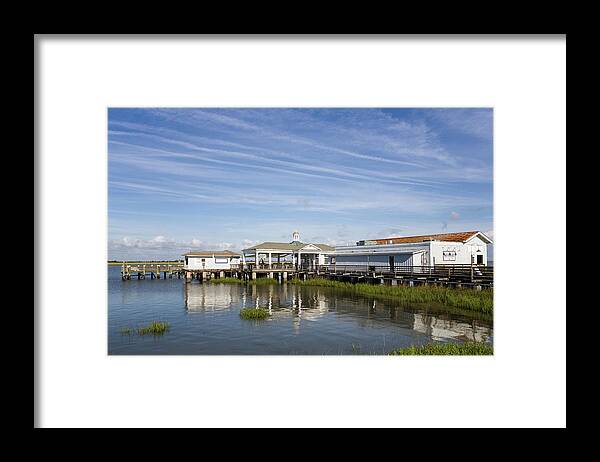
364,168
165,248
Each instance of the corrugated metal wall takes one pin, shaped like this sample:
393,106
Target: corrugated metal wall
375,260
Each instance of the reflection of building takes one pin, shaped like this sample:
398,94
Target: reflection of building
309,307
210,297
438,328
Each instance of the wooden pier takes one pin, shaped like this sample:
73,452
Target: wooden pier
467,276
152,270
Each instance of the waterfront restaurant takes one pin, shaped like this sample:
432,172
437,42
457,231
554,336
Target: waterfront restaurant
465,248
287,255
211,260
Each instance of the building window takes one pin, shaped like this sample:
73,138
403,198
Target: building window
449,255
221,260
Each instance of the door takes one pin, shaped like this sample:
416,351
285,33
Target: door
391,261
479,259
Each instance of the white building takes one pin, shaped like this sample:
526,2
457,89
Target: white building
211,260
295,254
467,248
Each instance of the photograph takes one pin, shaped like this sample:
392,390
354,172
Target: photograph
300,231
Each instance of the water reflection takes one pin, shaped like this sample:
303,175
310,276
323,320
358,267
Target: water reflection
309,304
210,297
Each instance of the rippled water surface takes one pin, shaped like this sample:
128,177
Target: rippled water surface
205,320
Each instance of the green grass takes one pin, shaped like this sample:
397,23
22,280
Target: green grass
155,328
481,301
439,349
258,282
226,281
254,313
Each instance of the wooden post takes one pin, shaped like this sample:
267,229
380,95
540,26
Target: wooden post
471,268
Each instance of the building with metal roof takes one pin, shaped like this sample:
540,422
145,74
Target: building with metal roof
295,254
211,259
466,248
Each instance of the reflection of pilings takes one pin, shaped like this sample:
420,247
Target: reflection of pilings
270,298
372,310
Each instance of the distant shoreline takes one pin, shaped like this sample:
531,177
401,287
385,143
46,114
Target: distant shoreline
144,262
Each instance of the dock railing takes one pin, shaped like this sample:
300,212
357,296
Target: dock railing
264,266
465,273
462,273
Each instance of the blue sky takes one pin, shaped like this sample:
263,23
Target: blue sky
181,179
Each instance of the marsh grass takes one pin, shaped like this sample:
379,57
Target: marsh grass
126,330
226,281
441,349
259,282
155,328
468,299
254,313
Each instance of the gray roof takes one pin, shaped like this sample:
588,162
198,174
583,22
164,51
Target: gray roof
210,253
291,246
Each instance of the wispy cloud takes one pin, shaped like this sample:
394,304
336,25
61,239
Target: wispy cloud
180,171
473,122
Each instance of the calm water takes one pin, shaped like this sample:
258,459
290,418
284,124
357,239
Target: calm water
205,320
